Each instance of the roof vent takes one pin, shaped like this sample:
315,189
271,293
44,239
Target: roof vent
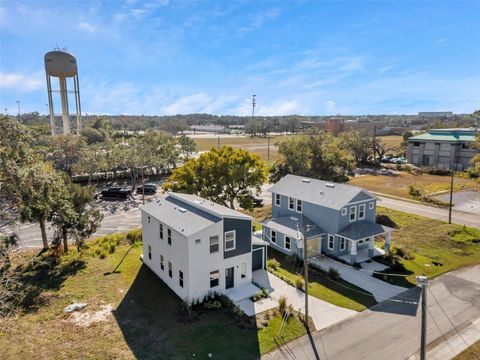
293,218
182,210
306,180
330,185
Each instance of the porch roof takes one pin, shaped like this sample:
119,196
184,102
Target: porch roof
363,229
292,226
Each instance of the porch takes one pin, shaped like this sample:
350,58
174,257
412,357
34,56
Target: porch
363,255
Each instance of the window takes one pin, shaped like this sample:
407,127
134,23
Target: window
367,240
169,236
331,242
371,205
180,278
161,231
344,211
299,205
360,242
342,244
230,240
213,244
162,266
416,143
148,218
149,252
273,236
277,199
287,242
361,211
243,270
214,276
353,213
170,269
291,203
198,241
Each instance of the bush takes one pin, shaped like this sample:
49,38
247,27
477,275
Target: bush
102,255
404,254
299,282
212,305
111,248
357,265
262,294
273,264
385,220
413,191
333,274
282,304
134,236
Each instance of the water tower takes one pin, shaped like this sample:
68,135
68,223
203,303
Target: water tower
62,65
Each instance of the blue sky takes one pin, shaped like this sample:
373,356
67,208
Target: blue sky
300,57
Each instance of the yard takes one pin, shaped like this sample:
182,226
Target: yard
473,352
397,185
130,314
432,247
391,141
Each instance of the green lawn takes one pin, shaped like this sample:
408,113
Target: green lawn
473,352
337,292
436,246
147,321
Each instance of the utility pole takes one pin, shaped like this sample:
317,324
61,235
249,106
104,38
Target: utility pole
374,142
305,271
218,142
253,105
18,103
268,148
451,198
423,281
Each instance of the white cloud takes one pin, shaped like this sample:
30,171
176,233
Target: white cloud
440,41
20,82
85,26
259,20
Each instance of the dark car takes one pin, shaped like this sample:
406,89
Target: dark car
257,201
148,188
116,192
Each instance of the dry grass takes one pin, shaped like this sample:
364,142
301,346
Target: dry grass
397,185
473,352
392,141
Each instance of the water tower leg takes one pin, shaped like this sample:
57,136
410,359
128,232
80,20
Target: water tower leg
64,98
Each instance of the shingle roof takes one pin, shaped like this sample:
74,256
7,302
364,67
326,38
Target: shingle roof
362,229
292,226
324,193
210,207
180,216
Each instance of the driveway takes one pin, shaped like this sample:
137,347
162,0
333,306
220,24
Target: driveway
322,313
363,279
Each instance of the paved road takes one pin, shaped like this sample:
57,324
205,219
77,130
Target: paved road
392,328
433,212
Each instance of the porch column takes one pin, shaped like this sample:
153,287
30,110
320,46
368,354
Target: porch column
387,243
353,251
371,247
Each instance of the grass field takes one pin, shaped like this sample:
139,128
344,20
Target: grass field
391,141
473,352
436,247
397,185
146,321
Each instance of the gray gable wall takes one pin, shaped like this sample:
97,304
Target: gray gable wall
243,233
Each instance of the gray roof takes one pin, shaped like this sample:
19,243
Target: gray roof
209,206
362,229
180,216
325,193
293,226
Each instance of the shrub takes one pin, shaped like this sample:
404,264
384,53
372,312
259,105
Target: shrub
237,311
111,248
273,264
404,254
357,265
333,274
412,190
102,255
262,294
299,282
282,304
385,220
212,305
134,236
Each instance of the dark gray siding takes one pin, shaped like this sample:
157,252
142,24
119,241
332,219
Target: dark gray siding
243,233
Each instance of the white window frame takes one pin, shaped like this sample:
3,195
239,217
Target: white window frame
291,203
160,229
273,237
354,213
360,211
149,252
215,278
278,200
170,269
343,243
217,243
332,238
180,278
169,236
367,240
360,242
289,243
371,205
243,270
344,211
234,240
299,202
162,263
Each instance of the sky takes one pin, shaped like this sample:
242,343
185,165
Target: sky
298,57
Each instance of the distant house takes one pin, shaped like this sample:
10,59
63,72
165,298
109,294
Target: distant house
445,148
196,246
340,219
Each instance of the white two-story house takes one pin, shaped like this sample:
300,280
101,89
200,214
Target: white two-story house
196,246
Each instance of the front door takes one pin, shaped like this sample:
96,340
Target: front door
229,278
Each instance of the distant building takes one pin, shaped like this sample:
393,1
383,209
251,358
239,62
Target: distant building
435,114
334,126
445,148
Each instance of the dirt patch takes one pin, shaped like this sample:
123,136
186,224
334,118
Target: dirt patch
85,318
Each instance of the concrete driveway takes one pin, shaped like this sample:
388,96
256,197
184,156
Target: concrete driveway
379,289
322,313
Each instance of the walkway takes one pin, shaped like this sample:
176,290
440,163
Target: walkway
322,313
363,279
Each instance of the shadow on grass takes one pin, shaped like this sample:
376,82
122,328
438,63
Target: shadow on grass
45,274
152,322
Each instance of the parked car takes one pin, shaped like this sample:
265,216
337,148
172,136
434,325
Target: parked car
257,201
386,159
149,189
116,192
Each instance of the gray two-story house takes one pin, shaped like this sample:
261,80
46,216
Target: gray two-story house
339,219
